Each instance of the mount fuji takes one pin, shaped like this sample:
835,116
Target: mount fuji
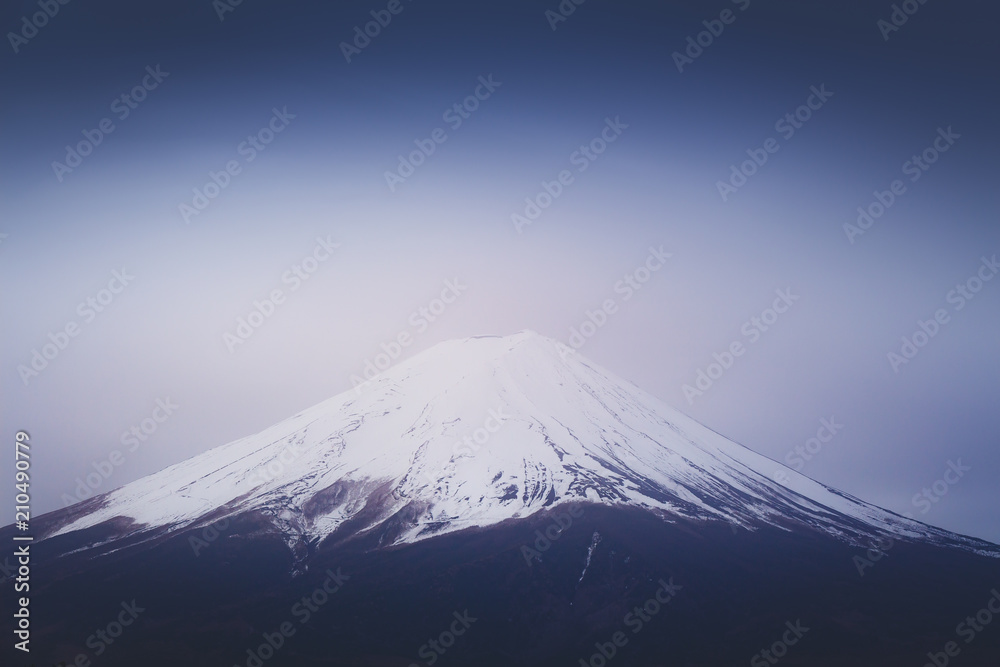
512,481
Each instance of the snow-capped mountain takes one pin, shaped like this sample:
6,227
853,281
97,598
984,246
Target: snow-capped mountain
474,432
510,481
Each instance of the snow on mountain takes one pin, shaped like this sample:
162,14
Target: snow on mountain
477,431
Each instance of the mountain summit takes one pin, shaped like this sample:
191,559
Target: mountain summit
473,432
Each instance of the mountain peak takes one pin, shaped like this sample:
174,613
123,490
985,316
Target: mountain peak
494,345
514,337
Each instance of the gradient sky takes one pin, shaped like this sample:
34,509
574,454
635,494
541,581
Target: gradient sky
323,176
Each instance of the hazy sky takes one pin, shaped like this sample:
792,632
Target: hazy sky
210,157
